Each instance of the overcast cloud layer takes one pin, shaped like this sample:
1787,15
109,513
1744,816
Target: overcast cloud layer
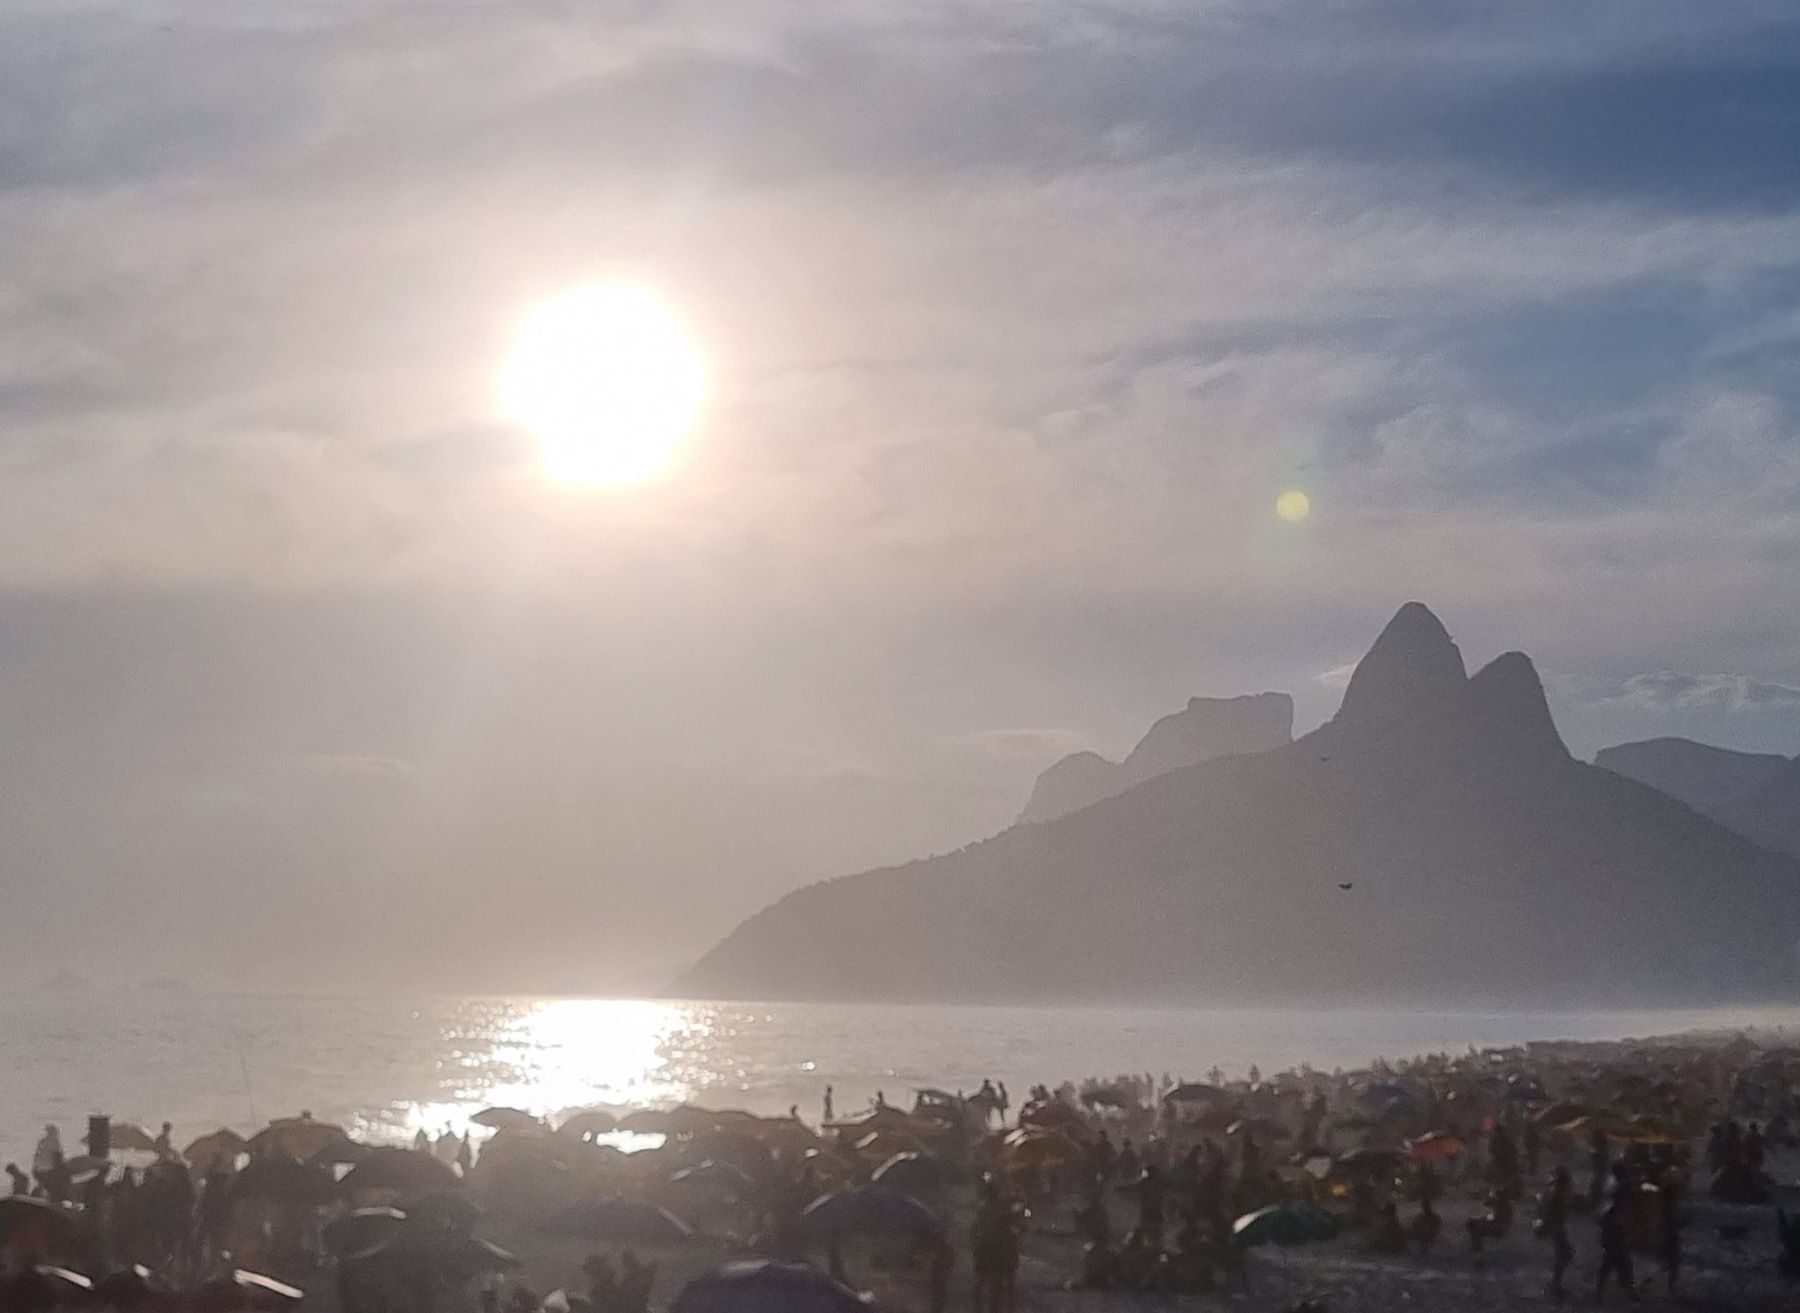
1019,316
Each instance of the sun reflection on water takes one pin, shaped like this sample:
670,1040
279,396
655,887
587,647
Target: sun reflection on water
555,1055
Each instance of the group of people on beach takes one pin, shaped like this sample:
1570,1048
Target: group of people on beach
1203,1171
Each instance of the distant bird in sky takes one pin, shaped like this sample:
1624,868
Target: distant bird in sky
1347,885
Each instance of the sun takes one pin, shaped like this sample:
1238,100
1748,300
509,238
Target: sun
608,381
1293,506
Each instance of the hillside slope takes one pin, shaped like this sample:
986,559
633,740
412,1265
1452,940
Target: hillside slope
1487,865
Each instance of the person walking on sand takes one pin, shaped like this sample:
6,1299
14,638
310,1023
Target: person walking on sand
49,1153
1553,1225
1668,1231
995,1244
1615,1250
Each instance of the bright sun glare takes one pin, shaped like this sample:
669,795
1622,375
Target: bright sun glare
608,381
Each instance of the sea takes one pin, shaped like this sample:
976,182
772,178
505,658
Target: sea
386,1067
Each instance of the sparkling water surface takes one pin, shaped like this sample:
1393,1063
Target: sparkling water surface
387,1066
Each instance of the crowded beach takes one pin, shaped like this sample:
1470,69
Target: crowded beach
1581,1172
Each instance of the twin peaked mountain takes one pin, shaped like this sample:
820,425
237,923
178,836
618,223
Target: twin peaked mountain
1487,866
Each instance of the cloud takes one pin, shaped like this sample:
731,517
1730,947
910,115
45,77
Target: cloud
1019,316
1668,690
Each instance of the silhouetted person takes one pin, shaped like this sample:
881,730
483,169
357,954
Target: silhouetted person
48,1155
1598,1162
830,1114
164,1144
995,1245
1102,1157
1150,1205
1425,1227
21,1183
1503,1159
1753,1149
1553,1225
1388,1237
1668,1231
1615,1250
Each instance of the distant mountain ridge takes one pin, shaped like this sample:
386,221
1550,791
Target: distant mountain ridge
1486,865
1706,778
1205,729
1755,793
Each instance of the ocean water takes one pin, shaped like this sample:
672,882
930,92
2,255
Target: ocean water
386,1067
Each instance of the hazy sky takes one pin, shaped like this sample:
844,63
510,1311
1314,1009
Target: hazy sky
1019,315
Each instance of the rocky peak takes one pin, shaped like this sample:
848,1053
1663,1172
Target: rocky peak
1411,682
1510,712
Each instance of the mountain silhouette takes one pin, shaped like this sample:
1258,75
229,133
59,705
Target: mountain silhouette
1488,866
1715,781
1770,812
1207,728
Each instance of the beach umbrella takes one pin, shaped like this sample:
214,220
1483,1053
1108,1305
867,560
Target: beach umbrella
1197,1092
405,1171
1364,1161
1257,1126
516,1120
363,1228
298,1138
1282,1224
47,1287
1438,1147
764,1287
723,1176
683,1119
219,1149
428,1248
240,1291
880,1145
86,1166
282,1180
1043,1150
449,1210
1383,1092
1215,1117
1555,1114
623,1219
888,1119
347,1152
591,1121
27,1213
1053,1115
132,1137
134,1288
868,1210
1647,1130
784,1134
735,1147
646,1121
912,1172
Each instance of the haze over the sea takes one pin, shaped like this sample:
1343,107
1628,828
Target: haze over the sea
1061,362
